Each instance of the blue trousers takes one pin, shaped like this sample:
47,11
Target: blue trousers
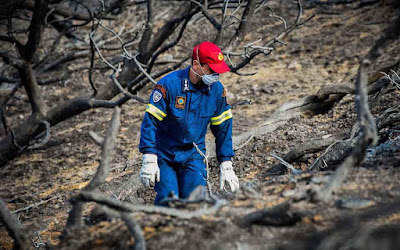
181,179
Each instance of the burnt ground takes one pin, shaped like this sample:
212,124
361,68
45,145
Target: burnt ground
324,51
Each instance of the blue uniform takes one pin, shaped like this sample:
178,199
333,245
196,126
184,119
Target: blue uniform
177,115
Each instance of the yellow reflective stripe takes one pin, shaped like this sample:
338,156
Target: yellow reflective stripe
221,118
156,112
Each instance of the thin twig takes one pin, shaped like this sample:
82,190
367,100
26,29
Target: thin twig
34,205
288,165
247,141
142,70
126,93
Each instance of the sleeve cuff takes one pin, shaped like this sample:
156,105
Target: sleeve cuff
149,151
224,158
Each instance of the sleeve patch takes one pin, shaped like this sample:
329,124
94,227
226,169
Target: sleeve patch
221,118
156,112
162,89
157,96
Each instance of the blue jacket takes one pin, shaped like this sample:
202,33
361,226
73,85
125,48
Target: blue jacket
178,114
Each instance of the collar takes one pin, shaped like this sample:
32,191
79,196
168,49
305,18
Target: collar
187,85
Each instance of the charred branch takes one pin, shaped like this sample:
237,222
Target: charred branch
268,46
141,81
148,31
278,215
31,127
129,207
209,17
296,153
65,27
244,25
38,141
35,30
61,60
334,154
99,140
168,46
11,40
13,227
32,89
168,28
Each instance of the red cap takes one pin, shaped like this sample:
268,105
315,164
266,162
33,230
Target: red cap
211,55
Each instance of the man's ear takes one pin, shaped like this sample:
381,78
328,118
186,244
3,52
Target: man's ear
196,65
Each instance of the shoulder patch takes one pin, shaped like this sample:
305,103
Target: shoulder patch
162,89
157,95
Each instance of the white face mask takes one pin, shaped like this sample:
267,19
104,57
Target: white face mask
208,79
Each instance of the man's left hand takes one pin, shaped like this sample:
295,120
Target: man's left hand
228,175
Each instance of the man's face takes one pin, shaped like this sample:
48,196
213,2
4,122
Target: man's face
206,69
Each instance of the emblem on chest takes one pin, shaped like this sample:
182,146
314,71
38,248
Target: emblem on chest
180,102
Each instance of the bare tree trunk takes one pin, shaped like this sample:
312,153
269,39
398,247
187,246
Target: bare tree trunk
32,89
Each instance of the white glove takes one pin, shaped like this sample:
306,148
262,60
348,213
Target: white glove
150,172
227,174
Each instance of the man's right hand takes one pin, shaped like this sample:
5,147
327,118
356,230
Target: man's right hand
150,172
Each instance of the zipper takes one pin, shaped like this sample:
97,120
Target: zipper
189,101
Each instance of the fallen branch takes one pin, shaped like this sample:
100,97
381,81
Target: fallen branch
37,141
129,207
245,143
296,153
390,117
323,154
278,215
99,140
239,103
286,164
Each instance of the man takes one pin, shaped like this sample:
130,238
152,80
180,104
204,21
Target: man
181,106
